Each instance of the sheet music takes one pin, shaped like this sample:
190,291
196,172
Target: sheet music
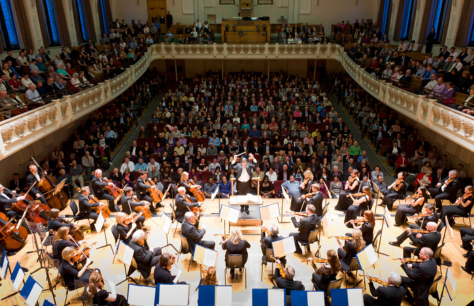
176,279
285,195
367,257
316,298
448,227
141,295
252,198
451,285
223,296
276,297
289,244
230,214
354,297
387,217
284,247
19,278
124,253
269,211
34,295
99,223
214,194
210,258
166,223
174,295
4,262
327,223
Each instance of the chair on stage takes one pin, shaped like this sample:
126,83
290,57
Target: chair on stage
235,261
184,249
174,219
312,238
433,290
75,210
353,266
267,258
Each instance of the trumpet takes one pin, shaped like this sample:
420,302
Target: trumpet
409,259
342,238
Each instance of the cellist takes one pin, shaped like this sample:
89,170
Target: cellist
184,183
128,206
98,187
183,206
141,187
34,177
6,200
85,206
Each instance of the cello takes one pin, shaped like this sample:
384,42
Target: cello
113,190
12,237
102,208
155,194
197,193
143,210
47,186
35,212
194,210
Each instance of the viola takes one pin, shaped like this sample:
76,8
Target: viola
197,193
466,195
223,236
422,215
308,195
409,259
358,220
279,267
155,194
143,210
99,209
357,194
299,214
320,260
47,186
375,280
342,238
266,230
419,231
82,252
12,237
35,212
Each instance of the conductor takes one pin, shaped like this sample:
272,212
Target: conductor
244,172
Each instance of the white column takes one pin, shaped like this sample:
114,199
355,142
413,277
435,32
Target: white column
96,19
296,11
453,25
291,9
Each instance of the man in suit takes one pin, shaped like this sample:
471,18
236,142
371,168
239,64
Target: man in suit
18,184
421,241
134,149
304,226
243,177
316,200
467,236
266,241
98,185
145,258
288,281
393,294
141,187
403,60
32,182
419,277
7,199
433,217
162,273
128,206
194,235
447,189
85,206
183,206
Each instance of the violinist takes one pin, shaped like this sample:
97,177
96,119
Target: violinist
287,281
100,296
359,205
126,226
464,207
162,273
392,295
366,225
327,272
128,206
33,178
54,223
430,240
183,206
304,226
350,249
98,184
210,279
235,245
266,241
413,206
69,270
432,216
62,240
194,235
145,258
445,190
316,199
142,188
352,186
184,183
85,206
394,191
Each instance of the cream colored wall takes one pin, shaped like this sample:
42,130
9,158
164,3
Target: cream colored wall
129,9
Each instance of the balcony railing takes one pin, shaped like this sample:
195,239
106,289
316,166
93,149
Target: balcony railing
23,130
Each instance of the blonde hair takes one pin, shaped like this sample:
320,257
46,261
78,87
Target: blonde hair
235,235
120,217
183,176
61,234
309,174
67,253
359,243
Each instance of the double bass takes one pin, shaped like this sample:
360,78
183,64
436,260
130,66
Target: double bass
113,190
12,237
47,186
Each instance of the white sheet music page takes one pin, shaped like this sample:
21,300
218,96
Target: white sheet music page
174,295
141,295
233,215
316,298
176,278
274,210
289,244
354,297
166,223
210,258
3,272
34,295
99,223
276,297
127,255
19,278
223,296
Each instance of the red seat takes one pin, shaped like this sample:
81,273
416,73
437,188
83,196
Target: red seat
160,126
311,127
209,158
205,175
256,139
194,140
258,157
277,186
141,142
149,126
203,141
151,141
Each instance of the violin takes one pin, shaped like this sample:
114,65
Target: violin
194,210
375,280
266,230
203,271
419,231
279,267
35,212
320,260
357,220
47,186
409,259
101,208
308,195
421,215
82,252
299,214
12,237
133,217
197,193
224,236
155,194
75,232
342,238
143,210
357,194
449,181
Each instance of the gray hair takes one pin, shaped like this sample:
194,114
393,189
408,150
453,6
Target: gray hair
138,235
181,189
274,230
188,216
290,272
455,172
395,279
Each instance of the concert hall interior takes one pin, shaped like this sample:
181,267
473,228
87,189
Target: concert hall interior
236,152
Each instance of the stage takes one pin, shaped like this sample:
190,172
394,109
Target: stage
214,225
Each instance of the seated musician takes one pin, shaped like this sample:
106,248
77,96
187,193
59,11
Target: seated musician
194,235
419,277
184,183
98,184
305,188
304,226
316,199
209,188
394,191
182,205
288,281
352,186
126,226
142,189
393,294
225,188
54,223
382,187
469,266
430,240
445,190
464,207
467,236
414,206
62,240
33,179
327,272
100,296
145,258
235,245
128,206
366,226
266,241
350,249
432,217
6,200
69,270
210,279
162,273
85,210
359,205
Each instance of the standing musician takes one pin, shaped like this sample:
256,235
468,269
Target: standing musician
243,177
128,206
287,282
126,226
85,206
304,226
33,178
350,249
305,188
391,295
413,206
141,187
183,206
100,296
359,205
464,207
419,277
316,199
421,241
394,191
366,226
266,241
145,258
162,273
446,189
194,235
432,216
292,187
98,185
54,223
235,245
69,270
352,186
327,272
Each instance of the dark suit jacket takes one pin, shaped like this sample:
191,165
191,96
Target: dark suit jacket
433,218
97,187
430,240
127,203
21,184
317,201
85,206
248,167
422,276
388,296
143,256
30,180
182,207
306,225
280,175
192,234
6,202
136,150
141,188
162,275
287,284
452,188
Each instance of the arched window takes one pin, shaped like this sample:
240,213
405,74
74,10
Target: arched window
7,25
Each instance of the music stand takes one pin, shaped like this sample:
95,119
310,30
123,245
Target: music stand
380,196
120,252
105,234
384,220
282,199
59,187
166,231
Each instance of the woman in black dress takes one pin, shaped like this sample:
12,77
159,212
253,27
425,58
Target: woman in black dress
235,245
352,186
305,188
126,226
413,206
327,272
359,205
184,183
394,191
266,189
350,248
100,296
465,206
366,227
69,270
62,240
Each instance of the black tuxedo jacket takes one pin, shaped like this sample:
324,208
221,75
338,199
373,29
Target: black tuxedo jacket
306,225
388,296
422,276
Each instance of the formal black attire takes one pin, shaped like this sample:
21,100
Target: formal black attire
470,262
128,207
323,276
344,201
141,189
30,180
18,185
55,224
449,211
445,192
232,249
296,202
384,296
391,195
419,225
194,236
183,206
99,192
288,284
145,258
100,299
85,210
243,187
367,233
407,209
419,280
70,272
266,243
346,255
467,236
317,201
59,246
430,240
304,226
123,231
354,210
163,276
6,201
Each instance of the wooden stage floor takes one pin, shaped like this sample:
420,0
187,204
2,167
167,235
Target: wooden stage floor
115,272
